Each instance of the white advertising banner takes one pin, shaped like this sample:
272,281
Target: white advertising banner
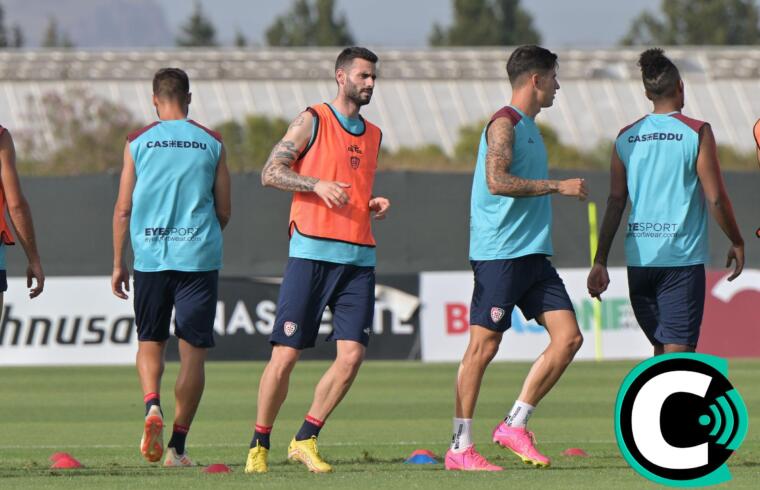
76,320
445,313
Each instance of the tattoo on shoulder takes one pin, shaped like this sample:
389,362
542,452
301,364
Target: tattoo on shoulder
501,135
298,121
501,138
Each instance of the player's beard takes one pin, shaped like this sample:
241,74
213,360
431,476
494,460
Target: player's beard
356,95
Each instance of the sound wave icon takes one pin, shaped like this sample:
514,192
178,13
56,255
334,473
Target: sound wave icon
725,423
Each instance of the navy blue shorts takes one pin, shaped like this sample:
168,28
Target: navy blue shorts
3,281
668,302
530,282
311,285
193,296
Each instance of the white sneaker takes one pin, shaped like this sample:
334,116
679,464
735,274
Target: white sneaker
178,460
152,442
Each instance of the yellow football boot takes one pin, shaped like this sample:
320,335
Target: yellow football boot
306,452
257,460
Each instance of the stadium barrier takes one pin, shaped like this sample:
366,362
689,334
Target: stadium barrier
729,327
93,327
423,316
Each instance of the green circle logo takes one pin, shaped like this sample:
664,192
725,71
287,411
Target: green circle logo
678,419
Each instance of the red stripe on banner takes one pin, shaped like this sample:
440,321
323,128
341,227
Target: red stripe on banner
729,326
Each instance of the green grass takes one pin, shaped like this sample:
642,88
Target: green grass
393,408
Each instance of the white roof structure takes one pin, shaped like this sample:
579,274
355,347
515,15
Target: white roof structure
422,97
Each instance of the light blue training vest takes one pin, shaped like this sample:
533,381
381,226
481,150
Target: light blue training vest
504,227
667,226
174,224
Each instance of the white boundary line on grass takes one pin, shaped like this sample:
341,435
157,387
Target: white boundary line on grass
321,444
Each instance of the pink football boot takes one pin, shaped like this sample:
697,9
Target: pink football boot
469,460
521,442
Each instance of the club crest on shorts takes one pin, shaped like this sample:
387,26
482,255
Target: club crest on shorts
497,314
290,328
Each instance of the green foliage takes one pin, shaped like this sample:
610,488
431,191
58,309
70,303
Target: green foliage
466,149
53,38
86,135
198,31
310,23
248,144
731,159
17,37
565,156
428,157
486,23
697,22
560,154
240,40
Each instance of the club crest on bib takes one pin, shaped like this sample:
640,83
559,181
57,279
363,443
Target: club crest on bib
497,314
354,150
290,328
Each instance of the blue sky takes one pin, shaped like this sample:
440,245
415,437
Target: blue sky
578,23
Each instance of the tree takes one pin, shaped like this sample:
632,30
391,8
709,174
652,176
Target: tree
696,22
17,37
310,23
3,33
560,155
198,30
86,134
487,23
248,144
50,39
12,39
240,40
55,39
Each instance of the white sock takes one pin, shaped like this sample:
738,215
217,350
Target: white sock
462,438
519,415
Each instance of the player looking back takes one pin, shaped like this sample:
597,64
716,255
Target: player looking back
510,241
328,159
174,200
667,164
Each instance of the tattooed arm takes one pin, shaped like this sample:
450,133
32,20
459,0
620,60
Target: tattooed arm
278,171
501,138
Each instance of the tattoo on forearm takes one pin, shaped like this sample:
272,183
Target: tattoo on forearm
277,172
501,136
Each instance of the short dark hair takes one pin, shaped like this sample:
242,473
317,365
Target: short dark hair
529,58
171,83
348,55
659,74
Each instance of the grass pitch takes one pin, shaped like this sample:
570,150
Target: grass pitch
394,408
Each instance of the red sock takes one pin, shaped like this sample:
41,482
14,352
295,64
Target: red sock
261,436
310,428
152,399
